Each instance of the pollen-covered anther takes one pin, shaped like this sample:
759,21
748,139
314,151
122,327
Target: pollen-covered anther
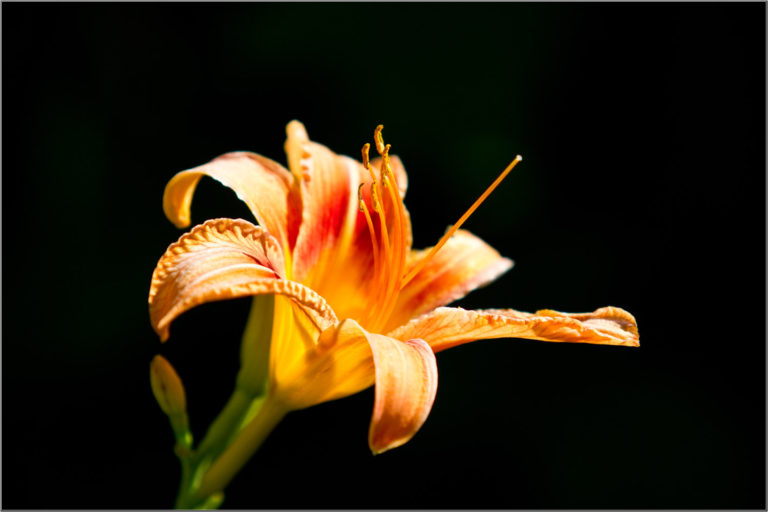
379,139
374,183
365,151
360,197
386,169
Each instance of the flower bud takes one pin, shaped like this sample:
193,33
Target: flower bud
167,387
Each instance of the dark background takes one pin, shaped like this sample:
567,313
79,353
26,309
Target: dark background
643,186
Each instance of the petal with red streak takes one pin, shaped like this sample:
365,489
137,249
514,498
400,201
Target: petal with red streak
328,184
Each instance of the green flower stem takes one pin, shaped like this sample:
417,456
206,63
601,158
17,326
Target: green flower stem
226,425
234,457
180,426
186,475
220,434
242,409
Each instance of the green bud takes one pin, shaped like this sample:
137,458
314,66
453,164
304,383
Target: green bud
169,393
167,387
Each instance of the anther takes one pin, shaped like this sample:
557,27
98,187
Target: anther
360,196
366,148
385,168
379,139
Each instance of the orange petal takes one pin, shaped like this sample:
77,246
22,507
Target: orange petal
328,184
348,359
339,364
224,259
264,185
406,384
464,263
447,327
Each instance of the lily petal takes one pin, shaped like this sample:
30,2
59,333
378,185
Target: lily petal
339,364
328,184
448,327
406,385
347,359
263,184
224,259
463,264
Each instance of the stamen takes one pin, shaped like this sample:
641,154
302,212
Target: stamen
377,206
383,285
389,253
389,174
418,268
372,233
374,184
398,250
385,165
384,232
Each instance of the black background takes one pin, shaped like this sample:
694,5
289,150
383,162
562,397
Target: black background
643,186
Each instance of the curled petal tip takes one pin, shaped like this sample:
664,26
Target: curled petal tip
406,385
378,450
163,334
181,222
177,199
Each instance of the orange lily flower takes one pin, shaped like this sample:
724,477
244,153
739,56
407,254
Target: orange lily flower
350,303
